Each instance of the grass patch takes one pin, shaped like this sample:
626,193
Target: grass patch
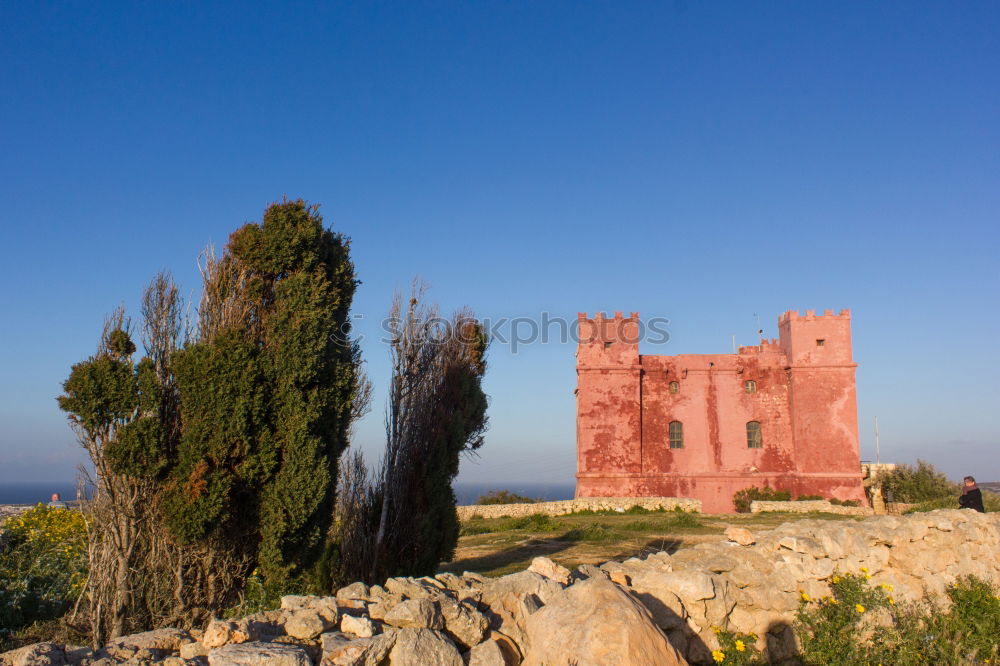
536,522
591,533
685,520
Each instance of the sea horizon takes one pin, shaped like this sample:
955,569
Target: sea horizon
33,492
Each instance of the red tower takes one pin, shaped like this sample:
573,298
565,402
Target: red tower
782,413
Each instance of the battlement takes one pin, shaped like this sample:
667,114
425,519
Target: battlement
600,316
766,345
793,315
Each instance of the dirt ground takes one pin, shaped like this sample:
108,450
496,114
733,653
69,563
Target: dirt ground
504,545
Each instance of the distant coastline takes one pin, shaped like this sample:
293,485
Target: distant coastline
468,493
33,492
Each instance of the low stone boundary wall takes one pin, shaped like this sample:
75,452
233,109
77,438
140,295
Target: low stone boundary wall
808,506
563,507
659,610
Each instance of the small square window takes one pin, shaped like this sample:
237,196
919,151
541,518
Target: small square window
820,342
674,387
750,386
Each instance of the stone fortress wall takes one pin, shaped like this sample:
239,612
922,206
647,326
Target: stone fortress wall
659,609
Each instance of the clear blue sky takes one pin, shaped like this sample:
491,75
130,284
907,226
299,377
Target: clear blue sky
696,161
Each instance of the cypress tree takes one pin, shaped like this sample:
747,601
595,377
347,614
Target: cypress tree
266,395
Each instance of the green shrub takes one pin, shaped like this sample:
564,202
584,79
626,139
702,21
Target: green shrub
538,522
504,497
923,483
828,628
743,498
43,565
991,502
808,498
736,649
862,624
839,502
685,520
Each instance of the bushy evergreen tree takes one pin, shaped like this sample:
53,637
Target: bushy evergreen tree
219,456
266,393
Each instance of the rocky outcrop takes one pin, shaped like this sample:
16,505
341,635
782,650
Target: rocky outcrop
597,624
562,507
661,608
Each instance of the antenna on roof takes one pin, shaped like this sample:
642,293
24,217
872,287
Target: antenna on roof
734,344
760,330
878,453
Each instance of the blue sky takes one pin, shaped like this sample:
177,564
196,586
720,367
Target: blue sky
701,162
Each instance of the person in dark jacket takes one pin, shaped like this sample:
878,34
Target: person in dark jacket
972,497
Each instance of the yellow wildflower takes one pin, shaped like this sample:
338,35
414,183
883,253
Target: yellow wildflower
859,608
718,656
836,579
892,602
740,646
805,597
864,569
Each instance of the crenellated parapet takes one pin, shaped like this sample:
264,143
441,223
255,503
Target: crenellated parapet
810,315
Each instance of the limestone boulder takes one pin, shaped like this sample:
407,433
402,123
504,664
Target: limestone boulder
223,632
259,654
543,566
463,623
487,653
585,571
193,650
594,622
354,592
509,600
653,590
165,640
413,588
37,654
415,613
340,649
306,623
361,627
378,649
421,647
740,535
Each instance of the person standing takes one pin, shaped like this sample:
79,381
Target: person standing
57,503
972,497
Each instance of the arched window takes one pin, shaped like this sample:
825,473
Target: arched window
674,387
754,440
750,386
676,435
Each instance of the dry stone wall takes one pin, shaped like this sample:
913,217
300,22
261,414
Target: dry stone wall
808,506
659,609
563,507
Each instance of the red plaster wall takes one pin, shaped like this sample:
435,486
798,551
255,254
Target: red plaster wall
805,402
